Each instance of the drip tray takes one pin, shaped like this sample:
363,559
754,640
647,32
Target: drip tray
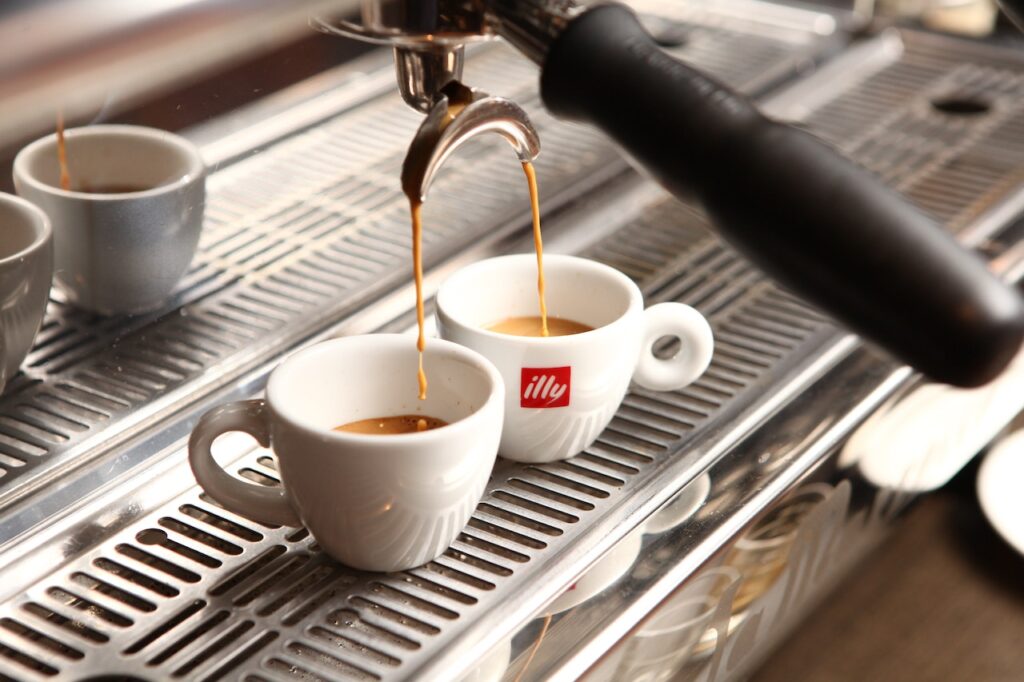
155,581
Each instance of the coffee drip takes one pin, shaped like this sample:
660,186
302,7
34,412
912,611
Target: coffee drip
65,174
62,154
538,243
416,212
460,114
416,209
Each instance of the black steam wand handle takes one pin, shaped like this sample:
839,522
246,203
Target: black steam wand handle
827,229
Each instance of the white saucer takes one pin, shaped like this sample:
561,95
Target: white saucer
1000,480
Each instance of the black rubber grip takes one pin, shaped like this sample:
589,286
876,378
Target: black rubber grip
824,227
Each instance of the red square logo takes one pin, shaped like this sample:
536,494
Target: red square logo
545,386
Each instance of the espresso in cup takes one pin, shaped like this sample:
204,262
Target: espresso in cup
561,391
374,501
533,325
383,426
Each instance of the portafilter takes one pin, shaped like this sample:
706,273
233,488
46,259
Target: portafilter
822,226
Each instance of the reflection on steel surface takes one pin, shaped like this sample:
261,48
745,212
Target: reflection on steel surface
901,447
762,553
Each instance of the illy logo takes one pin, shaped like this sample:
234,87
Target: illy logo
544,386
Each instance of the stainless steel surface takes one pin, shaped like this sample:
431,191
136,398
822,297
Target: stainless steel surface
90,58
423,72
406,24
145,577
591,156
459,115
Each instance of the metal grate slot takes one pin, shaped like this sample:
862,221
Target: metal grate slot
67,625
281,571
383,613
246,652
28,662
137,579
243,573
52,645
92,610
148,560
232,635
161,630
126,598
200,632
158,538
327,664
313,581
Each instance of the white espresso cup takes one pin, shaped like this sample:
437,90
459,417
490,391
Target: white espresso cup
560,392
26,270
126,231
373,502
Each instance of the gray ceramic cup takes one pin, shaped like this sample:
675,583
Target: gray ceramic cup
26,269
123,251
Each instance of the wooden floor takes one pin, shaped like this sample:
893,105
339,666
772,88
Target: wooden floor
941,600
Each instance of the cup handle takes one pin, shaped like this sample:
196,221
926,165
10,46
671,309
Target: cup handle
696,339
259,503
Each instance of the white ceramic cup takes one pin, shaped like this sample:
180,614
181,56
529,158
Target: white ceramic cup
373,502
120,252
560,392
26,270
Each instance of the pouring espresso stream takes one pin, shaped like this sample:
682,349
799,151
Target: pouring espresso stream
518,326
458,115
62,154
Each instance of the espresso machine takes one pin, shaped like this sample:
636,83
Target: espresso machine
842,200
828,230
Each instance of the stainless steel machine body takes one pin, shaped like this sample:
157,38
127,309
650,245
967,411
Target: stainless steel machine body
114,563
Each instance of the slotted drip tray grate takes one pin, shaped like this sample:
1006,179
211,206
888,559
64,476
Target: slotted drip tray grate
195,591
192,591
298,236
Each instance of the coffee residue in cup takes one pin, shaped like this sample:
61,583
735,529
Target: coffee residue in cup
112,188
532,325
62,154
405,423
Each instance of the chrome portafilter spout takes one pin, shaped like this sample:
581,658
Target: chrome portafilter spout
429,38
458,115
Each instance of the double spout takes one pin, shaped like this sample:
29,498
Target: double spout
428,38
458,115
